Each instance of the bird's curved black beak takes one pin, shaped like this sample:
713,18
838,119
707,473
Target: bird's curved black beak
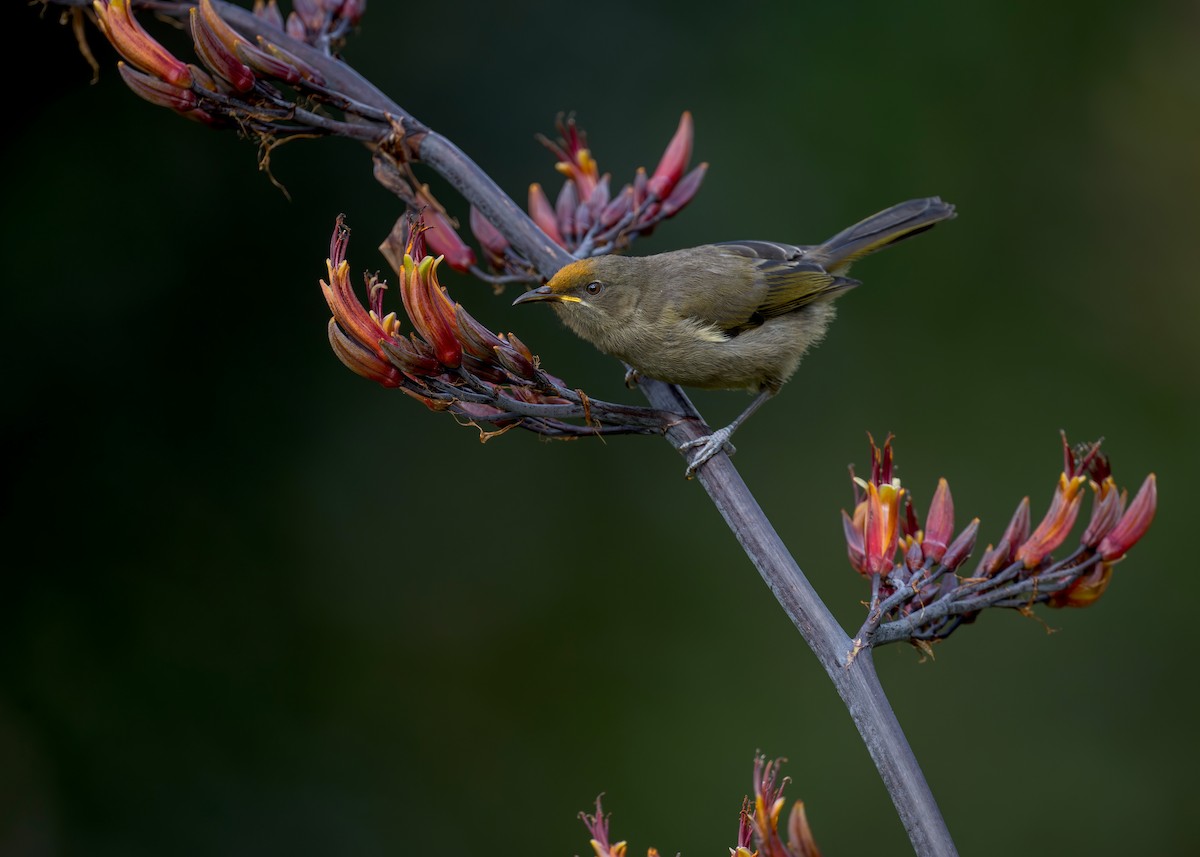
543,293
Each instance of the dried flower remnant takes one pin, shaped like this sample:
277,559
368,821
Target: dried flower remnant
924,599
763,819
758,822
597,826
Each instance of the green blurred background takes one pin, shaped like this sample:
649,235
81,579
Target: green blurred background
254,604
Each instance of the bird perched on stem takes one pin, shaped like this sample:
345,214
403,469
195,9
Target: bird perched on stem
733,315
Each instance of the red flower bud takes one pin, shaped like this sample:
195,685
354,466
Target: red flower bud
854,544
564,210
1133,523
265,63
1108,504
360,361
800,838
406,357
443,240
515,362
1018,530
477,340
684,191
619,208
939,523
270,13
214,52
958,551
493,243
543,214
156,91
914,557
674,160
306,71
640,181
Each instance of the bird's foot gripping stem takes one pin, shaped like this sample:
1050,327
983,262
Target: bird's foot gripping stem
709,445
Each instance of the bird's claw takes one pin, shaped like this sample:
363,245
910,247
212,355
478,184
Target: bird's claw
709,445
631,377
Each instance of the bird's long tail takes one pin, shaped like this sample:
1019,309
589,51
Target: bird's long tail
878,231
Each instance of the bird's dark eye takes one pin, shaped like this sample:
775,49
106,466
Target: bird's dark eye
594,287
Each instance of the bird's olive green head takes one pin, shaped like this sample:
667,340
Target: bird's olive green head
591,292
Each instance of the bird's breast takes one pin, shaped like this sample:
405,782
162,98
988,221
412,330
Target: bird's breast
690,352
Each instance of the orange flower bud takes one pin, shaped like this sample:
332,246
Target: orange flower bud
881,530
1085,591
136,45
1057,523
429,308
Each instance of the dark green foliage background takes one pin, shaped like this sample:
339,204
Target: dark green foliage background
255,605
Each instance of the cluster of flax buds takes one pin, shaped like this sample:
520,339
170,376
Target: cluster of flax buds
266,89
926,593
257,87
322,23
587,218
450,361
758,824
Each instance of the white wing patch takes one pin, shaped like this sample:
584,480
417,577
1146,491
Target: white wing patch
707,332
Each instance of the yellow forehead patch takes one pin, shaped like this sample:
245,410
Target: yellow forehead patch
571,276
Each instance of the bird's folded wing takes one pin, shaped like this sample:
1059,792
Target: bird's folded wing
783,282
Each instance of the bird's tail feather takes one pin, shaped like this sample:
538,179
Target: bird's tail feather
878,231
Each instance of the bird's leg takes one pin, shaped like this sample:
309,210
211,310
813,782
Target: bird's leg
711,444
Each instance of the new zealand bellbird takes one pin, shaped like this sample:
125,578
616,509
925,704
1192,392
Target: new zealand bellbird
733,315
